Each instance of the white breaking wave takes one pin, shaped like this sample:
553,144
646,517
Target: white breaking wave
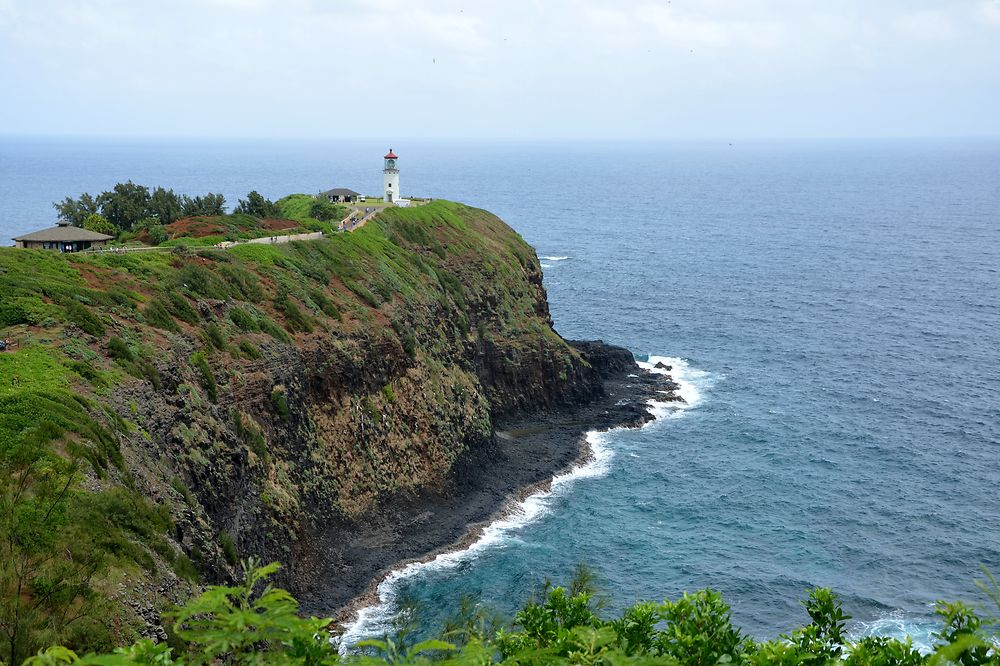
545,265
895,624
555,258
376,620
690,381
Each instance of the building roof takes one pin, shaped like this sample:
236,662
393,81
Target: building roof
340,192
391,155
63,233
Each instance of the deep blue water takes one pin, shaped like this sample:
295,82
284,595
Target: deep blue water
837,305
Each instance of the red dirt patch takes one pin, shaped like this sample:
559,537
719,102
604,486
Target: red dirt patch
199,227
276,224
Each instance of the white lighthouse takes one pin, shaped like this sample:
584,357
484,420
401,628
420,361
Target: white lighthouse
390,178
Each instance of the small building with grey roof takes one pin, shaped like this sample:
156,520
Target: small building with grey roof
340,195
63,237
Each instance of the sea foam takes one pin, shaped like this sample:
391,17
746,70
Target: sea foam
895,624
377,620
555,258
690,383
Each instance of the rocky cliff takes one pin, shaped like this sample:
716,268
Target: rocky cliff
285,402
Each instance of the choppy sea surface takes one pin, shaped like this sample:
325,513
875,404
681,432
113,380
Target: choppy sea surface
832,310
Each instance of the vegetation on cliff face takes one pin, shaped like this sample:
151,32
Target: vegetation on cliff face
255,623
163,414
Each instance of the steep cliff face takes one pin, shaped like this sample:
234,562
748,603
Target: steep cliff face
268,398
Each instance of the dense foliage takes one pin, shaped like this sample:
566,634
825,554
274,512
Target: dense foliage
257,205
325,211
128,206
97,222
256,623
55,537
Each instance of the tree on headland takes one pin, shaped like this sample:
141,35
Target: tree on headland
209,205
257,205
75,211
164,205
129,207
325,211
125,205
97,222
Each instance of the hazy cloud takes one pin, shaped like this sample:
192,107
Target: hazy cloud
517,68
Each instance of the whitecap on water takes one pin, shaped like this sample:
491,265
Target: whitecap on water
690,381
895,624
555,258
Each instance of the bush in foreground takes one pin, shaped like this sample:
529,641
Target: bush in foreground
255,623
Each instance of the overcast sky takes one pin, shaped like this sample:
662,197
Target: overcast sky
504,69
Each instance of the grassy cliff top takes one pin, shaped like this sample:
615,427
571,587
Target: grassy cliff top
93,334
81,323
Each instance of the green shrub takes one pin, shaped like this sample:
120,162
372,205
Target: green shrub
410,345
185,569
205,376
268,326
157,315
242,283
181,308
82,316
362,292
88,372
215,336
389,394
200,281
119,350
295,319
324,304
385,291
453,286
228,548
147,370
178,484
325,212
254,439
280,403
250,435
157,234
243,320
28,310
250,350
140,367
12,314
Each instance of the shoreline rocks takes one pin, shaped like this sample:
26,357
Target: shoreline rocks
524,455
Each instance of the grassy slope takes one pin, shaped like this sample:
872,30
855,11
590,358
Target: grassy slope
297,207
88,324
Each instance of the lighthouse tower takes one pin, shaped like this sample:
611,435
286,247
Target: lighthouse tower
390,178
